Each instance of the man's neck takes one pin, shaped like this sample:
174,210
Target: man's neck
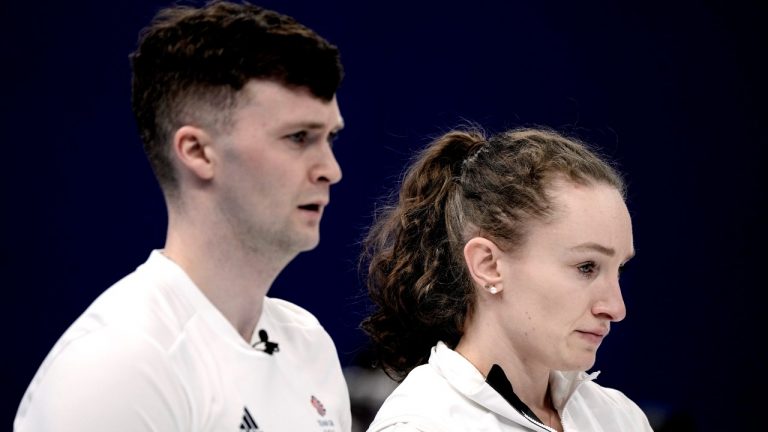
235,281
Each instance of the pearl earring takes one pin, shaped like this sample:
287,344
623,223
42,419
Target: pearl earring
491,289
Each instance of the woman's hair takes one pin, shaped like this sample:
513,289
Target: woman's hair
462,185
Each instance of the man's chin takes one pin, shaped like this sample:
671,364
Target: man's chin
310,248
309,243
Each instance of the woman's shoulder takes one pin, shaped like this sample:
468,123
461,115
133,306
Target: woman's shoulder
423,386
597,394
611,408
421,401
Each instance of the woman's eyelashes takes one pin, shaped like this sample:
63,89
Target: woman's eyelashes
590,269
622,268
587,269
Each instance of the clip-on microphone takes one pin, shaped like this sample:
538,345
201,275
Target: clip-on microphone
269,347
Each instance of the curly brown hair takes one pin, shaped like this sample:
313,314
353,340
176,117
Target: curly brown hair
462,185
191,63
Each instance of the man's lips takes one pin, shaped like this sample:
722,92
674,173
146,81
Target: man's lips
316,206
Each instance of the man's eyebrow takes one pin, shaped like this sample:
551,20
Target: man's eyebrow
605,250
312,125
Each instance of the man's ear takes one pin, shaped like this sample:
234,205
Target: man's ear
482,258
192,146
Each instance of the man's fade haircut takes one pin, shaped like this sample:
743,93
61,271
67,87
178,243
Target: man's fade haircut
191,63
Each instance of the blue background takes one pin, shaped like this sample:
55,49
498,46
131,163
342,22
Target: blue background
674,92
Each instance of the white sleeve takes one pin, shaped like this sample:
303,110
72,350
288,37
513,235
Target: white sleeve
641,419
632,417
409,423
403,427
105,380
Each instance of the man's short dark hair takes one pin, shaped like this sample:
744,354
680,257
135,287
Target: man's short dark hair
191,63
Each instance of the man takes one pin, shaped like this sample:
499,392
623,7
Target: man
237,110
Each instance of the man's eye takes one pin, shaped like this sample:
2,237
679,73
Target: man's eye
587,269
298,137
332,137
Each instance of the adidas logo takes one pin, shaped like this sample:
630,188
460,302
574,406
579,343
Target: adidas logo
248,424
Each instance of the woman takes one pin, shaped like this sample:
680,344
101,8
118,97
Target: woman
496,278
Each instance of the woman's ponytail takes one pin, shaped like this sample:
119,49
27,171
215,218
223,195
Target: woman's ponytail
415,278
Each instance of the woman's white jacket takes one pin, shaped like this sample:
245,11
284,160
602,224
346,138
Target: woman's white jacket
450,394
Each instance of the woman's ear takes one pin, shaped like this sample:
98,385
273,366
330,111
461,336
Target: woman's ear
192,147
482,258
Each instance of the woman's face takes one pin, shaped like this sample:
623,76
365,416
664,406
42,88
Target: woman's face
561,288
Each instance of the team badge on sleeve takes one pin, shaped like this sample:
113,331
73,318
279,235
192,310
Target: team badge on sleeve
318,406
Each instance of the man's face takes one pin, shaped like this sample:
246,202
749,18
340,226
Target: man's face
275,167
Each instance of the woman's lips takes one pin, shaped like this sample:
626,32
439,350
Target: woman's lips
593,336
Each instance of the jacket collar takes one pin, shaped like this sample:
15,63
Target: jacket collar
467,380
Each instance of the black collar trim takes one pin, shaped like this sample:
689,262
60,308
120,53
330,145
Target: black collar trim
498,380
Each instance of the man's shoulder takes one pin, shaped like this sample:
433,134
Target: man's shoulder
145,305
105,371
284,312
299,334
132,345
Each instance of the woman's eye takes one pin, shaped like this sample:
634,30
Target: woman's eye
622,268
587,269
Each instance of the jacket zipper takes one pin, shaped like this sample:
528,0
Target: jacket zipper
537,423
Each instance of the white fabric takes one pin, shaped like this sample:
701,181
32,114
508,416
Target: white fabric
153,354
450,394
